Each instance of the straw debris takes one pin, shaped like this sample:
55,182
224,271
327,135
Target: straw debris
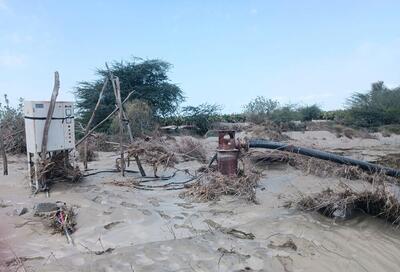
380,202
57,166
212,185
318,167
191,149
153,152
51,220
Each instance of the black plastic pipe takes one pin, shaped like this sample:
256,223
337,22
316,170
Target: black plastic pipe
370,167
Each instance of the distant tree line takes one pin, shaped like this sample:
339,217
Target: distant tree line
156,101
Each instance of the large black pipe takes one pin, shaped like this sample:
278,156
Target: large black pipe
371,167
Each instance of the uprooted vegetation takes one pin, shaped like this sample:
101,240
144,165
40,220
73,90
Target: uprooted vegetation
58,218
57,166
153,152
211,185
191,149
380,202
318,167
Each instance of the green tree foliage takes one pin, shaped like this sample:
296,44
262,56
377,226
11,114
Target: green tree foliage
140,117
379,106
13,126
286,113
201,116
309,113
147,78
260,109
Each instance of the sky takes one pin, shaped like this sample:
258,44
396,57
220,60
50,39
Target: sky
224,52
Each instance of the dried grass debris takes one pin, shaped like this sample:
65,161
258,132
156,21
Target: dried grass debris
153,152
212,185
191,149
318,167
380,202
52,219
57,166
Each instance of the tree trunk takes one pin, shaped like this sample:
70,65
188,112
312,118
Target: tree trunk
121,123
3,153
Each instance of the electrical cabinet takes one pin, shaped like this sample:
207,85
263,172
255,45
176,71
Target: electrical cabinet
61,131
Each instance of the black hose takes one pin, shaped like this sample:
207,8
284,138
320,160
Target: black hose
370,167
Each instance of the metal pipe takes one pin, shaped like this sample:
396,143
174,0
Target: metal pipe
370,167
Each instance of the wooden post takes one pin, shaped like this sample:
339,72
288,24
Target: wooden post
102,122
116,87
50,114
3,153
139,164
85,147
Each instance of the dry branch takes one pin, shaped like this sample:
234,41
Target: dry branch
153,152
3,153
85,149
102,122
50,114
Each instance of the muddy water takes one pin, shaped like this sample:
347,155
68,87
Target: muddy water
159,231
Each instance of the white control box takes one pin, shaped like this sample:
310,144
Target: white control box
61,132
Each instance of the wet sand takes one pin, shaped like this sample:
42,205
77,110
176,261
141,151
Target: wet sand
160,231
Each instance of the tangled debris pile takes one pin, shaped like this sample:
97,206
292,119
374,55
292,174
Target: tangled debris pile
153,152
318,167
211,185
380,202
55,167
58,217
191,149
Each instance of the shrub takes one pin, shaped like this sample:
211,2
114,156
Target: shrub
13,126
201,116
309,113
379,106
286,113
140,117
260,109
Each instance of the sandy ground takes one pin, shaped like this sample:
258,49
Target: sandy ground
160,231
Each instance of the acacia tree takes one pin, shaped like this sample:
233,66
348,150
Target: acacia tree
147,78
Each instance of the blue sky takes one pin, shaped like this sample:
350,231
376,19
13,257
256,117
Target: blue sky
224,52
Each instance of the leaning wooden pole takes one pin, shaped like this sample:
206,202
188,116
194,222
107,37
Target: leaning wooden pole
102,122
50,112
139,164
3,152
87,129
117,89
